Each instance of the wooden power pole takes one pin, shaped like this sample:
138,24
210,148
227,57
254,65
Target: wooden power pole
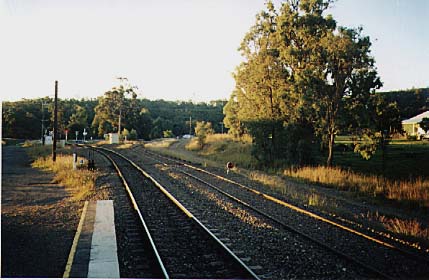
54,144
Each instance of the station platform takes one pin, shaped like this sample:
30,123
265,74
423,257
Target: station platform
94,251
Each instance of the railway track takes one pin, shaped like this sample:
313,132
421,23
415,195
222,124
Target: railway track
175,244
380,258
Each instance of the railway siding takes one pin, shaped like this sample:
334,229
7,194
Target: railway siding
376,255
278,254
187,248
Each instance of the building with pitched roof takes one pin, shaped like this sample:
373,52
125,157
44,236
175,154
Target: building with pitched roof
411,126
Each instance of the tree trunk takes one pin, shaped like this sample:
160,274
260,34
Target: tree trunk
272,150
119,126
330,149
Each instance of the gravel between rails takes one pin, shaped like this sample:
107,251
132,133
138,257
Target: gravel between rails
344,207
134,261
277,253
186,250
391,262
385,259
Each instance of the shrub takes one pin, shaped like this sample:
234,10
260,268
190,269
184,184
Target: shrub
202,129
132,135
168,134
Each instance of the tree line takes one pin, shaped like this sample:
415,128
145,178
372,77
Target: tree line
140,118
305,80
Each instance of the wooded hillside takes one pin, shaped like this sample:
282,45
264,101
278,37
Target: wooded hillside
23,119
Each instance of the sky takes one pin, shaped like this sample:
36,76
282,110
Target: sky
177,49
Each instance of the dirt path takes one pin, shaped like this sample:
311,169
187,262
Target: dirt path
38,222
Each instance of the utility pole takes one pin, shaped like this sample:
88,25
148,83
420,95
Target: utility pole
221,123
119,126
43,126
190,125
54,144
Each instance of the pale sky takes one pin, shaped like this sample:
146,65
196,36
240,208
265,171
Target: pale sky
176,49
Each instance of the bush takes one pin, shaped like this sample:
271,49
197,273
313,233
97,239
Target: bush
132,135
129,135
277,144
202,129
168,134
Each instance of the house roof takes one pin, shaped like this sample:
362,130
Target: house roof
417,118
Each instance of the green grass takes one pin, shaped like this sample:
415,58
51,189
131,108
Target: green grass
403,160
355,175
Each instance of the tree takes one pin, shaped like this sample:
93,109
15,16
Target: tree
300,76
202,129
373,126
144,124
231,120
262,95
424,124
114,107
129,135
168,134
78,120
349,74
330,65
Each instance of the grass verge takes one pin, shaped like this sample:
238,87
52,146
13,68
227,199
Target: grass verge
80,183
412,192
222,148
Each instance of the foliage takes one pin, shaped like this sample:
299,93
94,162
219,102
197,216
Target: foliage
410,102
300,70
167,134
424,124
78,120
231,120
22,119
132,135
125,134
114,109
202,130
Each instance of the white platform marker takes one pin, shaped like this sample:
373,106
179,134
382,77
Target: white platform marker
104,257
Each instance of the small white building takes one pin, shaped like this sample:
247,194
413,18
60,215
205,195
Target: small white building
411,126
113,138
48,140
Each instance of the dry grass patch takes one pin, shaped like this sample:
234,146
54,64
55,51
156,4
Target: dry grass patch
80,183
162,143
193,145
124,146
222,148
415,191
404,227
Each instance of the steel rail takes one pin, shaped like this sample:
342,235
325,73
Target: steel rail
298,209
290,228
264,214
186,211
136,208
